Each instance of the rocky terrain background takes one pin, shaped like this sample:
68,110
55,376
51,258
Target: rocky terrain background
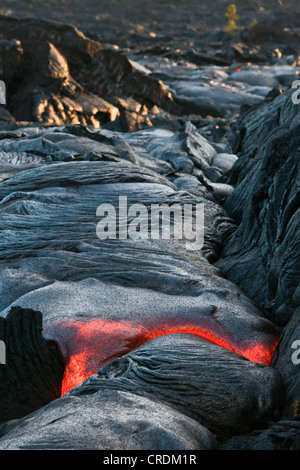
167,23
122,344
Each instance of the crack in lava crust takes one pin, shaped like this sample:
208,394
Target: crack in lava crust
87,346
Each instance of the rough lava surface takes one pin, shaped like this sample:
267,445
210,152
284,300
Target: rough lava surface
140,342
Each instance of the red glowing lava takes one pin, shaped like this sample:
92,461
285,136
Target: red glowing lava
87,346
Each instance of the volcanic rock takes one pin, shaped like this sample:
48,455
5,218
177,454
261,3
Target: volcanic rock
110,420
283,435
32,374
286,360
186,340
183,370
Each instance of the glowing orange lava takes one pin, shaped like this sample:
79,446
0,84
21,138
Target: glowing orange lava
87,346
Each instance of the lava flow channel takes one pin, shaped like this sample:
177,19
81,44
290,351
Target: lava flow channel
87,346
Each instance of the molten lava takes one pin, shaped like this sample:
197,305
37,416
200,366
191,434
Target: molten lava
87,346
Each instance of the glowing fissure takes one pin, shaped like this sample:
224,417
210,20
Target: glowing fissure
92,344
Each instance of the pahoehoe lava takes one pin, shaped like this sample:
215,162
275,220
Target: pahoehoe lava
140,343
